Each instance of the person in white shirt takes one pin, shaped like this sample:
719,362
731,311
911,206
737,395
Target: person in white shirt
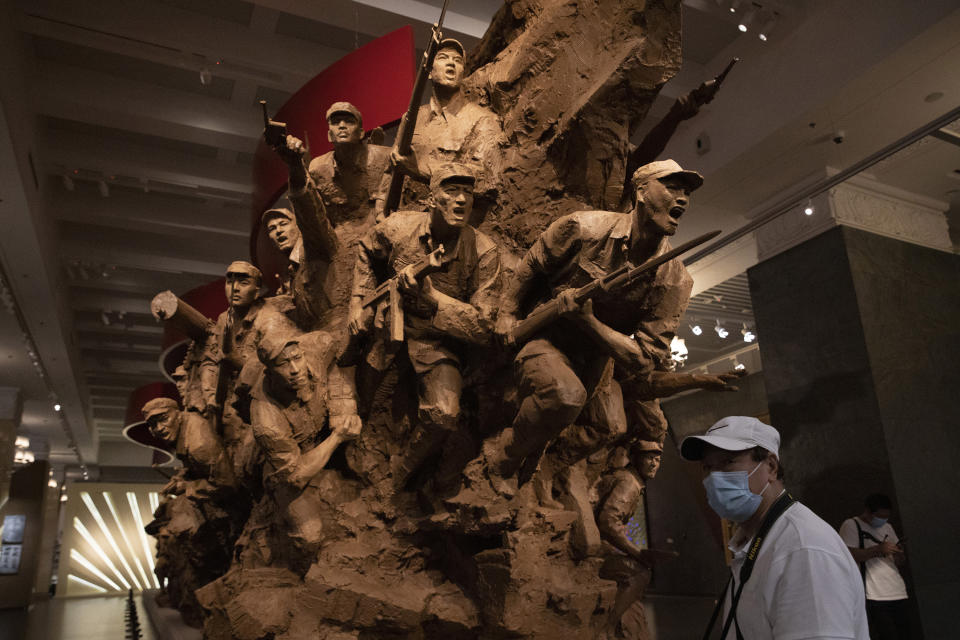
875,546
792,577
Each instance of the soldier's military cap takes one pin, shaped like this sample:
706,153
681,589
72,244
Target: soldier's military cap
344,107
451,171
664,169
281,212
644,446
272,346
451,43
157,406
241,266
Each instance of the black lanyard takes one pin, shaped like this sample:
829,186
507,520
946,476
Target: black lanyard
781,505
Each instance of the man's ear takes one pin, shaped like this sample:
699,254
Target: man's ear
774,464
329,134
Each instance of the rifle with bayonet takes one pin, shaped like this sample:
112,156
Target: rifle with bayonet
409,121
546,313
389,291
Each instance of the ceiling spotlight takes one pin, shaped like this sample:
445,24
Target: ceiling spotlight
52,483
63,498
206,78
723,333
22,442
734,5
808,209
746,20
767,27
739,367
748,336
695,328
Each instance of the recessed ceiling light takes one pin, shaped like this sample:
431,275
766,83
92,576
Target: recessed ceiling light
933,97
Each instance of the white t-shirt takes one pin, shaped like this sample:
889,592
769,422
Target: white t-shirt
804,586
884,581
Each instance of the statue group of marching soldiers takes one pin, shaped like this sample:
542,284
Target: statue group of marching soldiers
284,379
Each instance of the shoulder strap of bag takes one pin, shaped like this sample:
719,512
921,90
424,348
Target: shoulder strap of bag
781,505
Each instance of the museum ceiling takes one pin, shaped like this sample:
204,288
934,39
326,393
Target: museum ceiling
141,119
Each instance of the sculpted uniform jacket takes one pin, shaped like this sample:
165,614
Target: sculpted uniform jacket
583,246
471,277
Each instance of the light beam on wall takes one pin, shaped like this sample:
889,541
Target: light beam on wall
86,583
78,557
135,507
123,532
82,530
95,512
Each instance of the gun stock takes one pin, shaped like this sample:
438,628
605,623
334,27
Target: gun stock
548,312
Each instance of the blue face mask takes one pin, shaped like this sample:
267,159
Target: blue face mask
728,493
876,523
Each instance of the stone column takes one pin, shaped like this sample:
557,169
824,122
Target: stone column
858,313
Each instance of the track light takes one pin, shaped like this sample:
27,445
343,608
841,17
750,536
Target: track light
723,333
734,5
748,336
808,210
695,328
747,20
767,27
739,367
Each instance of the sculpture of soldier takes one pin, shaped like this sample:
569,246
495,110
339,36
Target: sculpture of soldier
446,310
574,364
339,190
620,492
232,346
309,244
194,531
301,411
452,127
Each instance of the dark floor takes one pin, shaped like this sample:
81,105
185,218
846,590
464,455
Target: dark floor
99,618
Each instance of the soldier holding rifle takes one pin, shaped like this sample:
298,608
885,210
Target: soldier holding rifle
439,312
451,128
567,366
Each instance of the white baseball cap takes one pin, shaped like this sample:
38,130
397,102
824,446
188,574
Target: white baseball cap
733,433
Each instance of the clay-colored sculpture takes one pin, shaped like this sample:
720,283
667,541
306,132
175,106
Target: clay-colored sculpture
382,530
301,412
439,312
620,493
453,127
580,363
230,347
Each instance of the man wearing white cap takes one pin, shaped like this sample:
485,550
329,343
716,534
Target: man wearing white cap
792,576
567,367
